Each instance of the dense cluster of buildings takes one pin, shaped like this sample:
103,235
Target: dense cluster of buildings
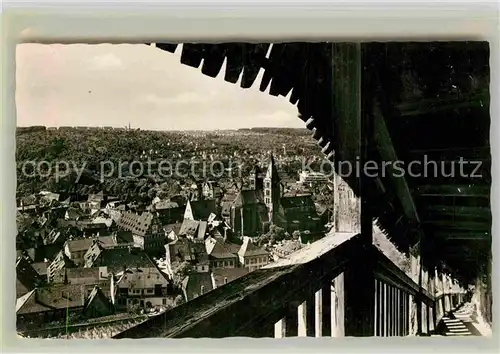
103,256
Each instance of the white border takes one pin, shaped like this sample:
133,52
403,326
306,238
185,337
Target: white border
114,22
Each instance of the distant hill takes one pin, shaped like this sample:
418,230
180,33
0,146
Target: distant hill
34,128
283,131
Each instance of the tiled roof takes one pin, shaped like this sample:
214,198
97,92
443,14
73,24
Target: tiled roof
79,245
26,274
189,228
94,294
118,259
58,296
193,283
228,274
83,273
224,250
165,204
23,299
173,227
202,209
187,250
40,267
249,249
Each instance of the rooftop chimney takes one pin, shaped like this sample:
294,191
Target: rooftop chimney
225,280
202,291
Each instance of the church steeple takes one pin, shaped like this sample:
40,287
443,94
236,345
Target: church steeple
272,189
256,181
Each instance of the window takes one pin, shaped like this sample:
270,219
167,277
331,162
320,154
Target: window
164,301
268,192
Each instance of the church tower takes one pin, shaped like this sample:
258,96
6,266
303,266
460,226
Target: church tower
272,190
256,182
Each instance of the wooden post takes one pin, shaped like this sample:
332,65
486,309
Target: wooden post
280,329
353,136
318,313
338,328
396,317
302,319
385,332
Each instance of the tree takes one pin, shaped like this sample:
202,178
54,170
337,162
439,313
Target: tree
151,193
274,235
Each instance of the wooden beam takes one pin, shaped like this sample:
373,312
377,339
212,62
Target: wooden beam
353,132
480,153
453,191
387,152
459,211
463,235
346,117
346,107
459,225
257,298
431,106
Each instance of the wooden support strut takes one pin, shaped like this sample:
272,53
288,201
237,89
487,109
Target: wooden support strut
353,140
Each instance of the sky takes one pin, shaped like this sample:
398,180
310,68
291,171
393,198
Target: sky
112,85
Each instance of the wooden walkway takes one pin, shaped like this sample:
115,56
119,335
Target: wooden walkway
459,322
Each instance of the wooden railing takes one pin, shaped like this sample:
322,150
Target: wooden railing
351,289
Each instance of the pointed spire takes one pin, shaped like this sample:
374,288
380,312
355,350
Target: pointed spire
272,171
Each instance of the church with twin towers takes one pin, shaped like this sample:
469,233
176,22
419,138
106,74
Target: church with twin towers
264,203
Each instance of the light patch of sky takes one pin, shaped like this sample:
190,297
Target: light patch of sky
112,85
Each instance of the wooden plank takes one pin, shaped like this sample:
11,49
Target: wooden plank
463,235
458,211
240,307
459,225
454,191
478,153
435,105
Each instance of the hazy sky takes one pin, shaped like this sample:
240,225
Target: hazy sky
111,85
